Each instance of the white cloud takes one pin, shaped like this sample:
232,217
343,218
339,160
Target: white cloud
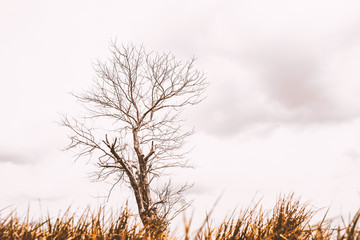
291,77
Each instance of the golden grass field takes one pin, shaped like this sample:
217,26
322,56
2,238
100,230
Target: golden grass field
289,219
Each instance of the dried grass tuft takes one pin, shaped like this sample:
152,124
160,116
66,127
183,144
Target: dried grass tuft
288,220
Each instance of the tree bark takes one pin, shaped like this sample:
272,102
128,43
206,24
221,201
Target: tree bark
143,181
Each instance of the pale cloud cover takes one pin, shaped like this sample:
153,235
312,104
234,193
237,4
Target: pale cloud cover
282,111
11,158
286,83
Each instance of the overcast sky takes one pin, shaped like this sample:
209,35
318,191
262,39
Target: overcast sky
282,112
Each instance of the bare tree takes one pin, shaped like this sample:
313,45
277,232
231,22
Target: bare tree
141,95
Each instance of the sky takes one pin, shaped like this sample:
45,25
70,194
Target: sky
281,114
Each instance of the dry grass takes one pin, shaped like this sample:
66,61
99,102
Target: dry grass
289,219
89,225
